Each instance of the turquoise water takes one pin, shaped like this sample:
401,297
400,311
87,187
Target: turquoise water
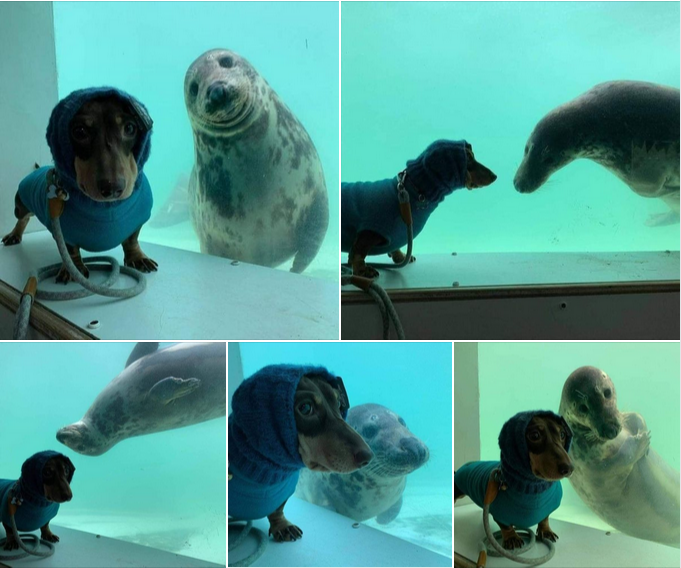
147,49
415,381
530,376
488,72
164,490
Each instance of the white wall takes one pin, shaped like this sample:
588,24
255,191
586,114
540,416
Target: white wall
466,406
235,370
28,92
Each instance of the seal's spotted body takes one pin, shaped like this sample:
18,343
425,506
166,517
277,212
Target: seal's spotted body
375,490
257,191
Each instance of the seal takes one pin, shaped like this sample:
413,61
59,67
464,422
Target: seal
629,127
617,474
158,390
375,490
257,192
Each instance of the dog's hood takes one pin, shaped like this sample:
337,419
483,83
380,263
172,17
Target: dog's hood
439,170
263,438
31,481
515,455
59,140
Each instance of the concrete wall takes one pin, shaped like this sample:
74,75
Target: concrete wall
28,92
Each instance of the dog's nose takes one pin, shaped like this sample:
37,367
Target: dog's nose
493,177
111,188
566,469
363,457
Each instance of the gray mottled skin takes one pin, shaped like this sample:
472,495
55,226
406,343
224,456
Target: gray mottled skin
257,191
375,490
629,127
158,390
617,474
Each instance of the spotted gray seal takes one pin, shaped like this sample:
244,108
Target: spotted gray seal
629,127
257,191
617,474
375,490
158,390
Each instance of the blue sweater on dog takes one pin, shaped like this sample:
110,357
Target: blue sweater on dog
92,225
527,500
374,206
35,511
262,442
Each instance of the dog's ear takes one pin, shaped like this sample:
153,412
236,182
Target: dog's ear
70,468
337,383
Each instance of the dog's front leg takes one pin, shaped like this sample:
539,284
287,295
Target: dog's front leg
544,531
64,276
511,539
281,529
11,542
134,257
47,534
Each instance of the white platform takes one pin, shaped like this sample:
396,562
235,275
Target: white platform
192,296
329,539
78,549
577,547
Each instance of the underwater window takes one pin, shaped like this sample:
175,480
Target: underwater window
487,73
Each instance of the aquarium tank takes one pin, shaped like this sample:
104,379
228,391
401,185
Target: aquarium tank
396,377
164,490
515,377
146,49
487,72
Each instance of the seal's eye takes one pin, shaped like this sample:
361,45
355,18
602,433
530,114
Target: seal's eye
79,133
194,89
226,61
607,393
583,408
305,409
130,129
401,421
527,148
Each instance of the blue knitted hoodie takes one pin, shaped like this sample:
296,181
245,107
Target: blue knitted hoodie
94,226
373,206
35,511
262,443
528,500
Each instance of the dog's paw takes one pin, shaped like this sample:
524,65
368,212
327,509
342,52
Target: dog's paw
11,544
64,277
51,537
513,542
547,534
286,532
141,262
366,272
11,239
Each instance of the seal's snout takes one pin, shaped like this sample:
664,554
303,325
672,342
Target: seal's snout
220,96
611,431
417,451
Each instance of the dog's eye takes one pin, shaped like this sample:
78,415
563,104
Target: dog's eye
607,393
130,129
583,408
562,435
305,409
79,133
534,436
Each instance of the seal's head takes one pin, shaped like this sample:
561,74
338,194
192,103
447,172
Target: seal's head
551,146
589,404
397,451
100,139
220,91
520,444
85,439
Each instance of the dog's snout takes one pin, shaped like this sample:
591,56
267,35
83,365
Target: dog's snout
363,457
493,176
111,187
565,469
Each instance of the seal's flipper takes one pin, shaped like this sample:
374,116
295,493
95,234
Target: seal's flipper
168,390
391,513
142,349
662,219
310,232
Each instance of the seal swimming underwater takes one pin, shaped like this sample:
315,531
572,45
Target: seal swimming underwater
375,490
617,474
629,127
158,390
257,191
